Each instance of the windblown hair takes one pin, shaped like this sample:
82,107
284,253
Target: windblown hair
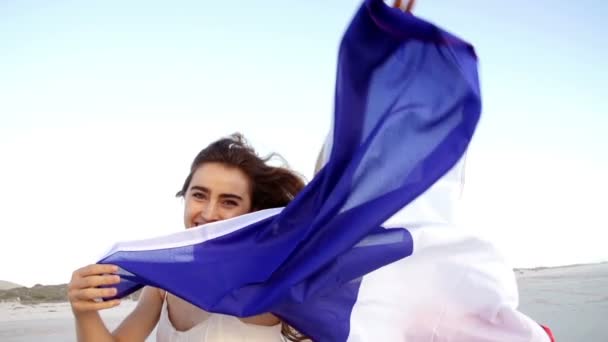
272,186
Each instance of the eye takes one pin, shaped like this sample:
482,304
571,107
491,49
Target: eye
230,203
198,195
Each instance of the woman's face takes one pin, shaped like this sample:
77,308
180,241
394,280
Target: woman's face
216,192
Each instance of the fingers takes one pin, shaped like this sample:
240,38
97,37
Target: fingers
93,294
408,7
83,306
79,293
95,281
89,286
96,269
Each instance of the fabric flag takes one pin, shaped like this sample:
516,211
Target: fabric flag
367,251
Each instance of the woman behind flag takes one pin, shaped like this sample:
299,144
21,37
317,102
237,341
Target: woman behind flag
227,179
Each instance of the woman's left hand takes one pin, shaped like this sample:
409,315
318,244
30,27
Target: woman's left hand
407,7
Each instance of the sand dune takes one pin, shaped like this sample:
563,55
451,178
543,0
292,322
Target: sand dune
7,285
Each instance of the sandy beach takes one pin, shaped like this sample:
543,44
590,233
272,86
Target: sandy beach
49,322
572,301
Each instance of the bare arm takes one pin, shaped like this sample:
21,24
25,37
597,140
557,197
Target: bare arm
90,327
140,323
84,294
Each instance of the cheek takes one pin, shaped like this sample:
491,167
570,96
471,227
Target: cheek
244,210
186,217
189,212
234,212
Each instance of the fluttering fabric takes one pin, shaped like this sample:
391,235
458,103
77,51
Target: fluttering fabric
368,250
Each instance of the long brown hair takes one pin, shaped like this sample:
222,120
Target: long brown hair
271,186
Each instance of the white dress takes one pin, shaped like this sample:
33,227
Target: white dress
216,328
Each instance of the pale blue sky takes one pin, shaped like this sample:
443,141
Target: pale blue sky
104,103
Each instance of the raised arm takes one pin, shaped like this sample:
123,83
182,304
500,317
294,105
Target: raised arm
407,6
85,296
140,323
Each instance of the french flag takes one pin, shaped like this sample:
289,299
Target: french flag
368,251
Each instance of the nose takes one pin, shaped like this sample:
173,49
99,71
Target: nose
210,213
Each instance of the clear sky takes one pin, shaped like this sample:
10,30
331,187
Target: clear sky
103,104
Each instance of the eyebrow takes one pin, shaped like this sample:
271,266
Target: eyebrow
206,190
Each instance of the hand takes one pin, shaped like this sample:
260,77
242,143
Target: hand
84,292
408,7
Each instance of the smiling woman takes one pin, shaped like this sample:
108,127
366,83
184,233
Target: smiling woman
270,187
226,179
216,192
